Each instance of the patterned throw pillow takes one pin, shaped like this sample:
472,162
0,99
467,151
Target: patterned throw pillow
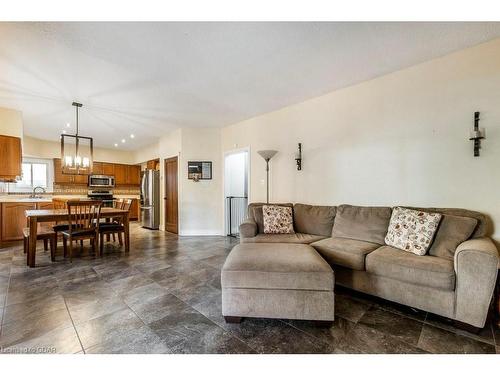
277,219
412,230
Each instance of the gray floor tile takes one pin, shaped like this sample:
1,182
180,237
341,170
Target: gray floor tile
183,326
349,308
215,341
29,310
395,325
126,284
485,334
107,327
197,294
362,338
20,331
143,293
333,335
437,340
84,312
141,340
158,308
275,336
57,341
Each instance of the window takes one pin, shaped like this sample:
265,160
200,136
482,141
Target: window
34,172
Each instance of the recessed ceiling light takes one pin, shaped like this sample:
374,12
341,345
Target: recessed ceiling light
123,140
68,125
132,136
116,144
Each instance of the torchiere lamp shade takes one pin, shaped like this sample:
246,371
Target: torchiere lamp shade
267,154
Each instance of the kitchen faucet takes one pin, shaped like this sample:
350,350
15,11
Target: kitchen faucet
33,194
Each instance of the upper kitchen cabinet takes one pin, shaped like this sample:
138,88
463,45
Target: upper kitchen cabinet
134,175
120,174
108,169
11,156
97,168
65,179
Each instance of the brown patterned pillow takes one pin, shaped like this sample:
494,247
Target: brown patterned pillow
277,219
412,230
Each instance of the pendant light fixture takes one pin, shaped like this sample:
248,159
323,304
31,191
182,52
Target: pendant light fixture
76,151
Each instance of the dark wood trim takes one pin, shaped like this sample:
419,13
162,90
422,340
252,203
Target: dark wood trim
169,227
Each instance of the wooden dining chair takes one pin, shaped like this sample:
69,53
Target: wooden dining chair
83,224
114,227
45,234
118,204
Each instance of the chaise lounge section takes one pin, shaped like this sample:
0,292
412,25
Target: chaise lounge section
456,278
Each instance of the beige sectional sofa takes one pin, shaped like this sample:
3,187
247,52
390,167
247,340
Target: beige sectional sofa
457,282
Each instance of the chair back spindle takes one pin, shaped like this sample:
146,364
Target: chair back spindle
83,215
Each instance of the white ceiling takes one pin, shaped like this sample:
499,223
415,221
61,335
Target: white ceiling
149,78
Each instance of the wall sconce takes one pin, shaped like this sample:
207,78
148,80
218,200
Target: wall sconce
477,134
298,158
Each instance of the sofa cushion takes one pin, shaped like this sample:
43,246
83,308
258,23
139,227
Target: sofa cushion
452,231
412,230
255,212
362,223
424,270
345,252
284,238
484,224
277,220
314,219
276,266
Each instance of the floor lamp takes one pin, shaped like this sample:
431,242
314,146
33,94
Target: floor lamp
267,155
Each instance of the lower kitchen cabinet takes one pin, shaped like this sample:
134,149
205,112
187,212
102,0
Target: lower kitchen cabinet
14,220
134,210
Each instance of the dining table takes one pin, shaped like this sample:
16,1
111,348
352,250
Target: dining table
34,217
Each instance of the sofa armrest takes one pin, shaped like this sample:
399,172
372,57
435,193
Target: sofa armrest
476,267
248,228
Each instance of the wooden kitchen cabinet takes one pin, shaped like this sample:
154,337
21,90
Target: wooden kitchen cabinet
11,156
65,179
134,175
124,174
134,210
120,174
97,168
59,177
108,169
14,220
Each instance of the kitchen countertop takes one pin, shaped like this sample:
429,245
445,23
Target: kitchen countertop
48,198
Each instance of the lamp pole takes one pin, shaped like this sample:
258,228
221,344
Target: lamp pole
267,155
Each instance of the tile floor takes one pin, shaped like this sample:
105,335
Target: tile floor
164,297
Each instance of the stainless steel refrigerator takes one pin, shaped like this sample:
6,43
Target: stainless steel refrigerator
150,199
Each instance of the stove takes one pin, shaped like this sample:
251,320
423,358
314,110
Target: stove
104,195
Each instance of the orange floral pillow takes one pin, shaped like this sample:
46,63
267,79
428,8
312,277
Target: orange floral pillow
277,219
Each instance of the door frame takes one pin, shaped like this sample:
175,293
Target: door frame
165,161
224,154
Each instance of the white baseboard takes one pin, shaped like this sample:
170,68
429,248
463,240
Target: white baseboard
200,233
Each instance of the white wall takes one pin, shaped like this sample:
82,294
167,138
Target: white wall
201,202
11,123
398,139
200,210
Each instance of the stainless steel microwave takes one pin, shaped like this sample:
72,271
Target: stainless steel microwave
97,180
